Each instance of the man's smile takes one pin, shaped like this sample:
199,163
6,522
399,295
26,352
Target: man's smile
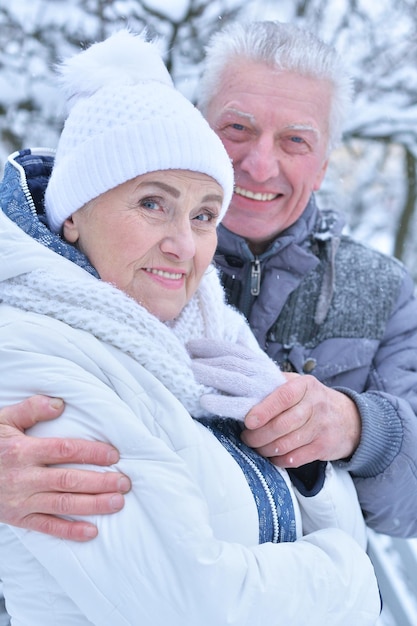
263,197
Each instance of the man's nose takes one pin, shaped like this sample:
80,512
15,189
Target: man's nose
262,161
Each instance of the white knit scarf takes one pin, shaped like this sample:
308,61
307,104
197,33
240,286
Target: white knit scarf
114,318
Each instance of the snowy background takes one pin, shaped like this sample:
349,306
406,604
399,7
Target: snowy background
372,178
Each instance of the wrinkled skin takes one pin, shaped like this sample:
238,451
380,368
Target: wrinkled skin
34,494
301,421
280,151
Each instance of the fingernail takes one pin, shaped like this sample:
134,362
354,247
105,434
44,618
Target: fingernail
90,532
56,403
123,484
112,456
252,421
117,502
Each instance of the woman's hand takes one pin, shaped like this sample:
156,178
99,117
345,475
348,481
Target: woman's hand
240,376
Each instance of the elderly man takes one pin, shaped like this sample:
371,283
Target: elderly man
340,318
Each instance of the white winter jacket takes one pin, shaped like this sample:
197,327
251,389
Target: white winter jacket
184,550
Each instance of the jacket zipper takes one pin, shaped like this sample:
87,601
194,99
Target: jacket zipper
266,488
251,287
255,277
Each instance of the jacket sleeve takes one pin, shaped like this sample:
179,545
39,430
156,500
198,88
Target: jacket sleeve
335,505
384,466
157,561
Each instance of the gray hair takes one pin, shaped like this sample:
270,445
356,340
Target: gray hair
281,46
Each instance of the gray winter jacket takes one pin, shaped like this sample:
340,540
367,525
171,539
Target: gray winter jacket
321,304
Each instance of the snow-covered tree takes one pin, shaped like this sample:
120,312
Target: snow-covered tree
372,178
36,34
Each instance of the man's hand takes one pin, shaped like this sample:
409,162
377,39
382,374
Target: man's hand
303,421
33,494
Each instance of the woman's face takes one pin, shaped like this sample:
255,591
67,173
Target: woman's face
152,237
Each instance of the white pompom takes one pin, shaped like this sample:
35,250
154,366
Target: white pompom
123,58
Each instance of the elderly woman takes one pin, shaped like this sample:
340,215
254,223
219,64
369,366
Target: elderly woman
106,279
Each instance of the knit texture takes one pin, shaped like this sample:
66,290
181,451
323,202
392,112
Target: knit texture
126,119
82,301
107,313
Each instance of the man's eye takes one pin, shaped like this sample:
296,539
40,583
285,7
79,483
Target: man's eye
296,139
238,126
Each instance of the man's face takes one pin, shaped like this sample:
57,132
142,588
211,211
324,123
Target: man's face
274,126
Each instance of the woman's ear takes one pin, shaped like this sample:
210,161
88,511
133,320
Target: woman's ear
70,230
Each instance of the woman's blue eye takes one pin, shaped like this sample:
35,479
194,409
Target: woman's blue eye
206,217
150,204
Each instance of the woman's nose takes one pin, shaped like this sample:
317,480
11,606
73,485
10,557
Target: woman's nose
179,241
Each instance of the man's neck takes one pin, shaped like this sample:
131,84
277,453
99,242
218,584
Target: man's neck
258,247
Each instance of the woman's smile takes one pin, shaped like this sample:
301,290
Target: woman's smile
153,237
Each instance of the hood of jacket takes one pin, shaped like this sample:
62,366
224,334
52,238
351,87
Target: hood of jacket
25,239
41,273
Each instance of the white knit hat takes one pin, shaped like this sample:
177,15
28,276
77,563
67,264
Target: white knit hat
126,119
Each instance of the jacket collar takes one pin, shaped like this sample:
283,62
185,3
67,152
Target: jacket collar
22,189
312,225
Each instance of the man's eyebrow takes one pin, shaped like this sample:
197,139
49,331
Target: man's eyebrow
252,118
306,127
248,116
